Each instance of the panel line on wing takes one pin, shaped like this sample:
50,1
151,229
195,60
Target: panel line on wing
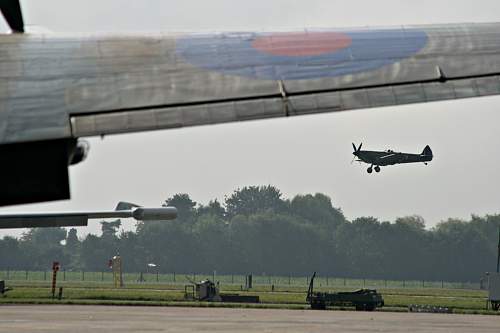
273,106
436,79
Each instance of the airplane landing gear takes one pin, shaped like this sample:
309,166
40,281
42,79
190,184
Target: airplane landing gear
370,169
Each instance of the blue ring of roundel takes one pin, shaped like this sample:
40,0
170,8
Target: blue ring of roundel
233,54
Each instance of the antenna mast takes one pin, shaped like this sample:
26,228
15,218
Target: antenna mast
498,255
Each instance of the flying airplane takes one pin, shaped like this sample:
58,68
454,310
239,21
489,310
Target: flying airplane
390,157
56,89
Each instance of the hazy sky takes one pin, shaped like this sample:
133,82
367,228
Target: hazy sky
298,155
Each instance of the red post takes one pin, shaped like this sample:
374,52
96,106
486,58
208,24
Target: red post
55,268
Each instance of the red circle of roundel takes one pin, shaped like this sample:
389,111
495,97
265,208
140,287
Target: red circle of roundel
302,43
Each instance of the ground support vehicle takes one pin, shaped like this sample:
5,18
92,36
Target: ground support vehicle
208,291
362,300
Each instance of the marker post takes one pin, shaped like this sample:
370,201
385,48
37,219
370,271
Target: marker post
55,269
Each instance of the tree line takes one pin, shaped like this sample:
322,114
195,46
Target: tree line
255,230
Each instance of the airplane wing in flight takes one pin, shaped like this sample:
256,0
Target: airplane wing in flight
57,88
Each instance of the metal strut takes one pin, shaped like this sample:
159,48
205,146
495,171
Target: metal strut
284,98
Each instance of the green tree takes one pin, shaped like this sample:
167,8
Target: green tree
186,208
43,246
254,199
414,222
12,256
357,244
275,243
212,237
171,245
262,233
96,253
317,209
132,252
213,208
72,250
109,229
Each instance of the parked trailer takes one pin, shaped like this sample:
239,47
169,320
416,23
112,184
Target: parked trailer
208,291
362,300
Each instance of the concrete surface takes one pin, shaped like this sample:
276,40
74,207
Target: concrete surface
69,318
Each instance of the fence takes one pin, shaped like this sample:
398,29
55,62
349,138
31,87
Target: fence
258,280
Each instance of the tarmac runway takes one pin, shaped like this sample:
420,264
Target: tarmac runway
77,318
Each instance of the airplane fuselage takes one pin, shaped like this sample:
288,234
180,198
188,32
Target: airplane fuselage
384,158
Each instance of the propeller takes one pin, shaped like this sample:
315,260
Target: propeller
11,10
356,150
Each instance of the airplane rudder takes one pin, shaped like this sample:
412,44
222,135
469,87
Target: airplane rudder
427,151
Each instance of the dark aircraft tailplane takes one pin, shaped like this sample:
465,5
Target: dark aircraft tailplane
122,205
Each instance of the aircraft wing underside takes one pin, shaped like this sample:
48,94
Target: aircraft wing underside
56,87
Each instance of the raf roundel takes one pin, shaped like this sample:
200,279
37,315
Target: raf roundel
301,44
300,55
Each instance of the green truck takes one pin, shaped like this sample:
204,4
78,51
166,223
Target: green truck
362,300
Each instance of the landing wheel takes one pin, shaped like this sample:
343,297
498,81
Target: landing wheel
377,169
369,170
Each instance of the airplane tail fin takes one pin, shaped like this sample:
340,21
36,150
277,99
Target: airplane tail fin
427,153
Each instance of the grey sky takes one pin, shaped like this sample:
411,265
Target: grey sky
299,155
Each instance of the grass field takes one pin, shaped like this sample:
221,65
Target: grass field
289,293
164,294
